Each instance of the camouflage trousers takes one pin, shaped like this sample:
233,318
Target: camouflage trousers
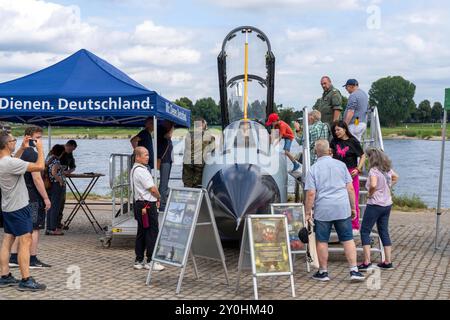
192,175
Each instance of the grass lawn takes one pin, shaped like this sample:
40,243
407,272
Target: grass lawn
416,130
420,131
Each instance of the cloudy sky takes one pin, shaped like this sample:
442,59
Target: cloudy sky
171,46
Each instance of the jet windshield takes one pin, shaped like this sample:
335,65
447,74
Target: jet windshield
260,76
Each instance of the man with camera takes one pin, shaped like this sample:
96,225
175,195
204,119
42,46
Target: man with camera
16,209
39,201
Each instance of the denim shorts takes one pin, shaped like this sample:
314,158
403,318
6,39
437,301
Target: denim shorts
18,222
287,144
343,229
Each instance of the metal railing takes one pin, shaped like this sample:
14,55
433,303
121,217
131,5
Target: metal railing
119,181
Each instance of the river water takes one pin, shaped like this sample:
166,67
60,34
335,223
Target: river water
416,161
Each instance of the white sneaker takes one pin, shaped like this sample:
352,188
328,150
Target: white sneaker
156,266
138,265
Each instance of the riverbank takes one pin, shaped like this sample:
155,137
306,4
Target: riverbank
431,132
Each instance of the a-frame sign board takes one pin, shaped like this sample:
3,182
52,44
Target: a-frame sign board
295,214
265,247
188,229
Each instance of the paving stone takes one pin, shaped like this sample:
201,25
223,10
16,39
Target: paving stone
421,272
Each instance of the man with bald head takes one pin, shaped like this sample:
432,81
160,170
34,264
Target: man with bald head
330,105
146,196
329,190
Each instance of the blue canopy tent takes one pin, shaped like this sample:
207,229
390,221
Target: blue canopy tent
84,90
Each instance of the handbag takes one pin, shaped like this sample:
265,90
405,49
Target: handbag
145,219
311,248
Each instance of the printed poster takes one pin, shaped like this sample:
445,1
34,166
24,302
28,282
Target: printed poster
270,245
295,220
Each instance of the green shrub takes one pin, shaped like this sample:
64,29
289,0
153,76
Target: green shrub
406,202
410,133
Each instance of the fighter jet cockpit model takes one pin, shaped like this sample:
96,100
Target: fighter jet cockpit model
246,173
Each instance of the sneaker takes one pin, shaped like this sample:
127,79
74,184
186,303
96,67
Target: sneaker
365,267
9,281
38,264
356,276
13,263
138,265
386,266
31,285
321,276
156,266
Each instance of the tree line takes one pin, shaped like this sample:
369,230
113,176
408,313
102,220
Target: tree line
393,96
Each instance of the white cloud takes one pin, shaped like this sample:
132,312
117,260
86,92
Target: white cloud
306,34
29,24
36,34
162,56
415,43
308,59
151,34
181,61
424,18
151,77
26,62
292,4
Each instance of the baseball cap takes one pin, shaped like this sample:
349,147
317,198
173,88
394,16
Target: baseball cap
272,118
351,82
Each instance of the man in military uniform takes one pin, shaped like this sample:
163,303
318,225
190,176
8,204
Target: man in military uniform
330,105
197,144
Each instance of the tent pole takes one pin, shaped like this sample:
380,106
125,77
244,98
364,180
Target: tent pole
155,150
49,133
441,176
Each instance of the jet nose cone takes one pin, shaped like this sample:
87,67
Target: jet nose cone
239,190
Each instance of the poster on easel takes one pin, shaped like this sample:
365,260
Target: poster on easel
188,230
295,215
265,246
177,226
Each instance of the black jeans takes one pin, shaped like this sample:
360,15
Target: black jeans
146,238
61,207
56,192
164,183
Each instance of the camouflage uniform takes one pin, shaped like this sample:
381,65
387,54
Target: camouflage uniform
193,162
331,100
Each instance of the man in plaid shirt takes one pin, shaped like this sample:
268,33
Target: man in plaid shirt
317,131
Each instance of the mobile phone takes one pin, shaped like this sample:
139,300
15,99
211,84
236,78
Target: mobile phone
32,143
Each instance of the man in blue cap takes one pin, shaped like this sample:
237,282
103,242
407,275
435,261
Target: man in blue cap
356,112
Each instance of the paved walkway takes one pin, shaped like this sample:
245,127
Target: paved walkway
421,273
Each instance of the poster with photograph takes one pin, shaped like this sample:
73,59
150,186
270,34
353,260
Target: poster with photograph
295,220
270,245
177,226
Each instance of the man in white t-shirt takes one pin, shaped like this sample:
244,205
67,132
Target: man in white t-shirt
146,196
17,218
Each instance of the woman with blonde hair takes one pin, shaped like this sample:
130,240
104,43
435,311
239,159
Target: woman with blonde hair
379,203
